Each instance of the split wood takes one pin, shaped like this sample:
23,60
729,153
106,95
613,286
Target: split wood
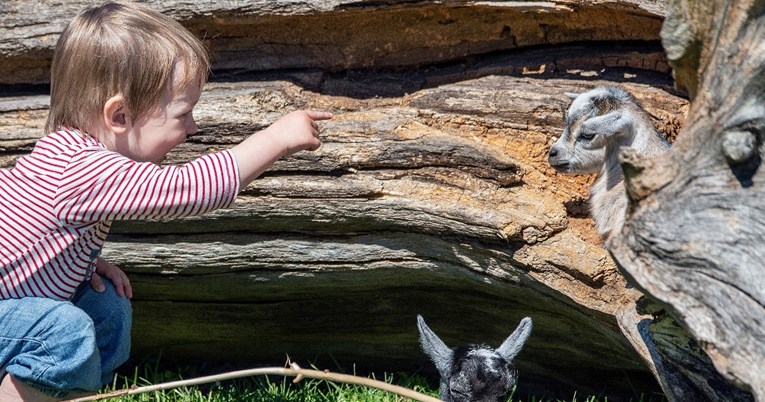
293,371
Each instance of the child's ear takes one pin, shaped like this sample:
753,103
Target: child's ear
116,115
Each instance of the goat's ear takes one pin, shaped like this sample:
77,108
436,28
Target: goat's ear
571,95
605,104
514,343
434,347
609,124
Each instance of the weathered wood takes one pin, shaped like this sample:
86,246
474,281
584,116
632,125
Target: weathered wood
265,35
694,239
431,193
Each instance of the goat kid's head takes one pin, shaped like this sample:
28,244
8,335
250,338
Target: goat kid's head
595,119
475,373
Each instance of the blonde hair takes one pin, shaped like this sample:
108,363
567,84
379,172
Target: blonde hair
119,49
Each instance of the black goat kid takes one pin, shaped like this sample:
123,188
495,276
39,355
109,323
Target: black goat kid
475,373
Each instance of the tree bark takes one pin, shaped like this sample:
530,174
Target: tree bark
338,35
694,237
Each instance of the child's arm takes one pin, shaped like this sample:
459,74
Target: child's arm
99,185
294,132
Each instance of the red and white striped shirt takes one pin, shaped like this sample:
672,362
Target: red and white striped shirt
58,203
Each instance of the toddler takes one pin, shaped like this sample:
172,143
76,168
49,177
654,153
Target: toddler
124,82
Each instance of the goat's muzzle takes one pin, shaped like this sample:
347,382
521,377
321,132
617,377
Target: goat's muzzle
557,162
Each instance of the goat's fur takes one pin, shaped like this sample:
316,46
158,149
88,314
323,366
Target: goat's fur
475,373
598,124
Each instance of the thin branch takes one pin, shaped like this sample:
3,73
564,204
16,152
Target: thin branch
295,371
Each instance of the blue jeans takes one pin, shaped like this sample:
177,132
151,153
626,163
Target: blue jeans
62,346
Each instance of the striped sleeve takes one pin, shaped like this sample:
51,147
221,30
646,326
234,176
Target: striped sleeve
99,185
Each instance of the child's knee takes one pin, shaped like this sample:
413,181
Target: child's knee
60,354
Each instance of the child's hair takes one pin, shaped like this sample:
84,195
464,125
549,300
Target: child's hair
119,49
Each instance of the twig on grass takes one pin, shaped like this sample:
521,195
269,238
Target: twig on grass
293,371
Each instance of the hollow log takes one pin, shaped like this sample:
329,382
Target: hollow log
430,195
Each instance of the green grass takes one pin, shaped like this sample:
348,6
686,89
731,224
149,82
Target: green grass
261,389
280,389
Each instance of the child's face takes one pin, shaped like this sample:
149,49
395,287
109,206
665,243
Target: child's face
152,137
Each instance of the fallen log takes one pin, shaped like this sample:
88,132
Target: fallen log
430,195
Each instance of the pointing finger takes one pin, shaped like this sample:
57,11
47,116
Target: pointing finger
317,115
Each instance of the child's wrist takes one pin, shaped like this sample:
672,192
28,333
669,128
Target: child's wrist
276,142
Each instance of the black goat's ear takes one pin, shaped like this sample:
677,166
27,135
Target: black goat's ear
514,343
434,347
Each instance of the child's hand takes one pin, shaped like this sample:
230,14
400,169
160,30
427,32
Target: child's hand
298,131
294,132
114,274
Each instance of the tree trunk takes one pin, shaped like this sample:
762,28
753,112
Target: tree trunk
694,237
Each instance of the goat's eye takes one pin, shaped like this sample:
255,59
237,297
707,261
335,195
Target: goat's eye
587,136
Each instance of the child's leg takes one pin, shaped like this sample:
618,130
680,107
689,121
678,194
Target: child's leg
13,390
112,317
49,345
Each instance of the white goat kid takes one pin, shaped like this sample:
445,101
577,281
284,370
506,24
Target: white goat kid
598,124
475,373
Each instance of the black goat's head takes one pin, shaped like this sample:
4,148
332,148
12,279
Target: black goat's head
475,373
